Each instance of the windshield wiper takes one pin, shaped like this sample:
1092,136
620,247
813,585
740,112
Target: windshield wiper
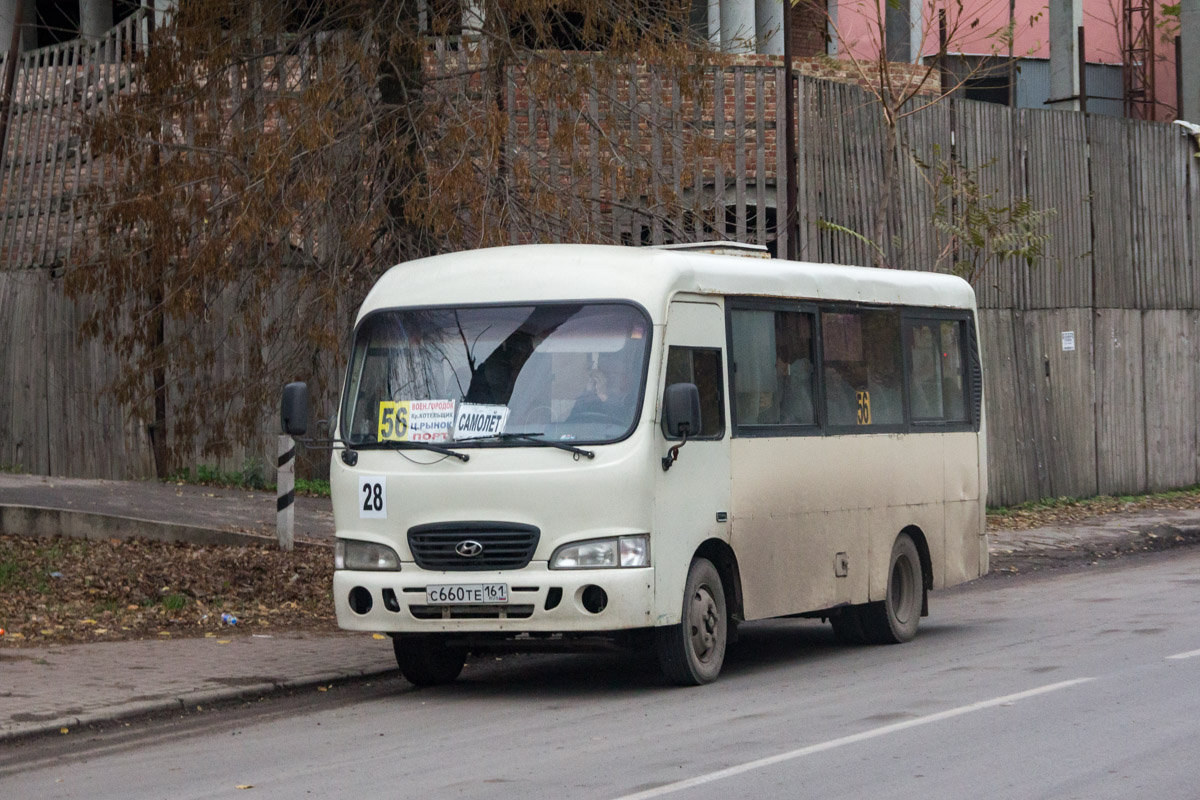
437,448
532,439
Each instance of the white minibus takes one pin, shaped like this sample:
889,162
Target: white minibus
575,446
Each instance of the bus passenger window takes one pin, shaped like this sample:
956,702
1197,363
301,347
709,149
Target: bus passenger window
794,368
953,388
863,368
925,386
701,366
936,387
773,367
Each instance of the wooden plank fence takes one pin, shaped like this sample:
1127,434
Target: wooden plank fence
1118,413
1120,401
46,163
54,419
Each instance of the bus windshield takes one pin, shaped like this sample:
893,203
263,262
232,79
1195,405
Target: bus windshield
556,371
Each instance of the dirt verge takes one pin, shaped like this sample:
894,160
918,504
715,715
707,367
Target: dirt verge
1073,511
71,590
74,591
1151,540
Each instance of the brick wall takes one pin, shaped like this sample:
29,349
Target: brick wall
808,29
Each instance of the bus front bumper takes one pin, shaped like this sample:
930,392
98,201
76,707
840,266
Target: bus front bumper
539,600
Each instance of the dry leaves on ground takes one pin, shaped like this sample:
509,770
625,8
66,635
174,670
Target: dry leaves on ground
1069,511
71,590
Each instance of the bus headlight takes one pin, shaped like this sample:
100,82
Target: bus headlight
353,554
619,551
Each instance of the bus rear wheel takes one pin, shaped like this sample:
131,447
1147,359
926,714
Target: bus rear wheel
426,660
894,619
692,652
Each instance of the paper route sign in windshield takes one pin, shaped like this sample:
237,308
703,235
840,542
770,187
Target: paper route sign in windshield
475,421
415,420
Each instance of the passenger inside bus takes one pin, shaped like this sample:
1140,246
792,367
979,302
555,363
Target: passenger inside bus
884,376
793,368
925,387
863,368
841,378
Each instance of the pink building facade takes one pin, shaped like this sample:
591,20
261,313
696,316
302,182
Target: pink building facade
977,41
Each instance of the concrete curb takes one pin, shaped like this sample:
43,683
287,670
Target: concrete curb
180,702
45,522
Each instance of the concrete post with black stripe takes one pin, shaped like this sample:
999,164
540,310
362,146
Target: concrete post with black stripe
286,492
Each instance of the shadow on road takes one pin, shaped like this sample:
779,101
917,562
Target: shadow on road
763,647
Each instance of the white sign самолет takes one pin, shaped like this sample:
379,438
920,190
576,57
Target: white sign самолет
476,421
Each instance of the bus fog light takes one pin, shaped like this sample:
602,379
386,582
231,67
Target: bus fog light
360,600
594,599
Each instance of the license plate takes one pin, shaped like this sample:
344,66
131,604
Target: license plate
470,593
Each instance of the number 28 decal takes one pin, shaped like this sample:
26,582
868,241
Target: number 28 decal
372,497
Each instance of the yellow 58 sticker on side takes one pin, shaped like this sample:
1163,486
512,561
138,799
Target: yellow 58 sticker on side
864,407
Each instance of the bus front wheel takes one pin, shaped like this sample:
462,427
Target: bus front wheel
426,660
692,652
895,618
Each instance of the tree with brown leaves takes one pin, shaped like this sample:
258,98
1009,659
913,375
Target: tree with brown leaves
272,159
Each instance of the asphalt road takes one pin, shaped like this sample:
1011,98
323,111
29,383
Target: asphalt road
1077,685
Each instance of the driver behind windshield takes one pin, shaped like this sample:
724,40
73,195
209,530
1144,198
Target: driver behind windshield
608,396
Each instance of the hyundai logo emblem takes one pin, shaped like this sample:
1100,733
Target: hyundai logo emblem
468,549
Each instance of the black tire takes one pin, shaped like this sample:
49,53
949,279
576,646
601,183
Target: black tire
848,627
692,652
426,660
894,619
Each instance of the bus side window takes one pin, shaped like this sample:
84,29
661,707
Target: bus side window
701,366
863,368
936,386
925,382
773,367
953,388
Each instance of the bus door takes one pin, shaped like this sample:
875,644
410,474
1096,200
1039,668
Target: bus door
692,499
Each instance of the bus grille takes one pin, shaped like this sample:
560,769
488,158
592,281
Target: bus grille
501,545
472,612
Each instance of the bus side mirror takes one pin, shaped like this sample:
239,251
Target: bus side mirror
681,410
293,411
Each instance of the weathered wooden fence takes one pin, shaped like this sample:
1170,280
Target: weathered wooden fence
1117,413
45,162
1092,378
54,418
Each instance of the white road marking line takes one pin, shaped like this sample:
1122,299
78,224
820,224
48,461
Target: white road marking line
1189,654
728,772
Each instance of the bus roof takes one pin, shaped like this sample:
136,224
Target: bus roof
646,275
